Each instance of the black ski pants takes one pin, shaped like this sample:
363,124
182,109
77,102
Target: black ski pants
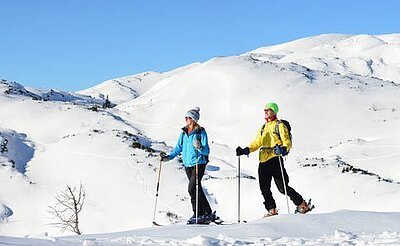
204,206
271,169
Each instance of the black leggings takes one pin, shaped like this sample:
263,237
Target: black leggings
271,169
204,206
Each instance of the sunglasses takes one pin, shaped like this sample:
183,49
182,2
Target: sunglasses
187,117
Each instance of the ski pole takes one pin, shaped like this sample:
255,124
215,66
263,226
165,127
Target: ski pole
238,177
158,186
284,182
197,191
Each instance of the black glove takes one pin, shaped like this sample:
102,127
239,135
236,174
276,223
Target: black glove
240,151
164,157
280,150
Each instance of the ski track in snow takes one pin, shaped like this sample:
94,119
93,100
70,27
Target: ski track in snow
140,178
82,153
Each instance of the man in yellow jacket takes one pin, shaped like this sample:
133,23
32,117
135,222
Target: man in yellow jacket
274,141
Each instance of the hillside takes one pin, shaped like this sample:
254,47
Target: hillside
345,123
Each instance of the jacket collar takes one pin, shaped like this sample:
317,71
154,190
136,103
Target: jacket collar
273,119
196,129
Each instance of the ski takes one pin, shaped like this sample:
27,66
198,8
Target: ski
156,224
269,216
205,224
214,224
221,223
225,223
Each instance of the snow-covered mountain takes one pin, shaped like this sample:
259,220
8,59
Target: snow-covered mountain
339,92
365,55
10,89
128,88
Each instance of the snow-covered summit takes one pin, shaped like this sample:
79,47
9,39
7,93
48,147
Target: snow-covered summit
130,87
13,88
366,55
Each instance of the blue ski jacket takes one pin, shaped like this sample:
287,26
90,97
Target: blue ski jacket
190,155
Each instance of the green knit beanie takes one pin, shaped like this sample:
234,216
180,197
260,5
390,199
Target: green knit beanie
273,106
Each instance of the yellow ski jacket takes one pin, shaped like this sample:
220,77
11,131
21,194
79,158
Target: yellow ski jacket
267,139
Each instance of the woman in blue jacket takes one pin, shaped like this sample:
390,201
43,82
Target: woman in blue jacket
193,144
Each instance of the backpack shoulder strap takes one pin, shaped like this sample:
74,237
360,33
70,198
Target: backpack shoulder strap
198,136
277,129
183,134
262,129
198,133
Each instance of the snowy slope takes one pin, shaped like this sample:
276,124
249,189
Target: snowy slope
337,121
340,228
71,143
346,147
15,150
128,88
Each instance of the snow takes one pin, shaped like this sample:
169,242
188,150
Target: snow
343,109
16,150
366,55
5,212
343,227
130,87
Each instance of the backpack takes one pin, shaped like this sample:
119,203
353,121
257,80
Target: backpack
276,131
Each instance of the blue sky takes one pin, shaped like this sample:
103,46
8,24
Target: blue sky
73,45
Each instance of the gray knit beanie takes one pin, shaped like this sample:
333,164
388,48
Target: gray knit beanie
194,113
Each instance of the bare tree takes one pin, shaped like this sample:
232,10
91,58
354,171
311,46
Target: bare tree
66,210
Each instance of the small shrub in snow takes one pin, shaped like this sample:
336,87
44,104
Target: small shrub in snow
67,208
